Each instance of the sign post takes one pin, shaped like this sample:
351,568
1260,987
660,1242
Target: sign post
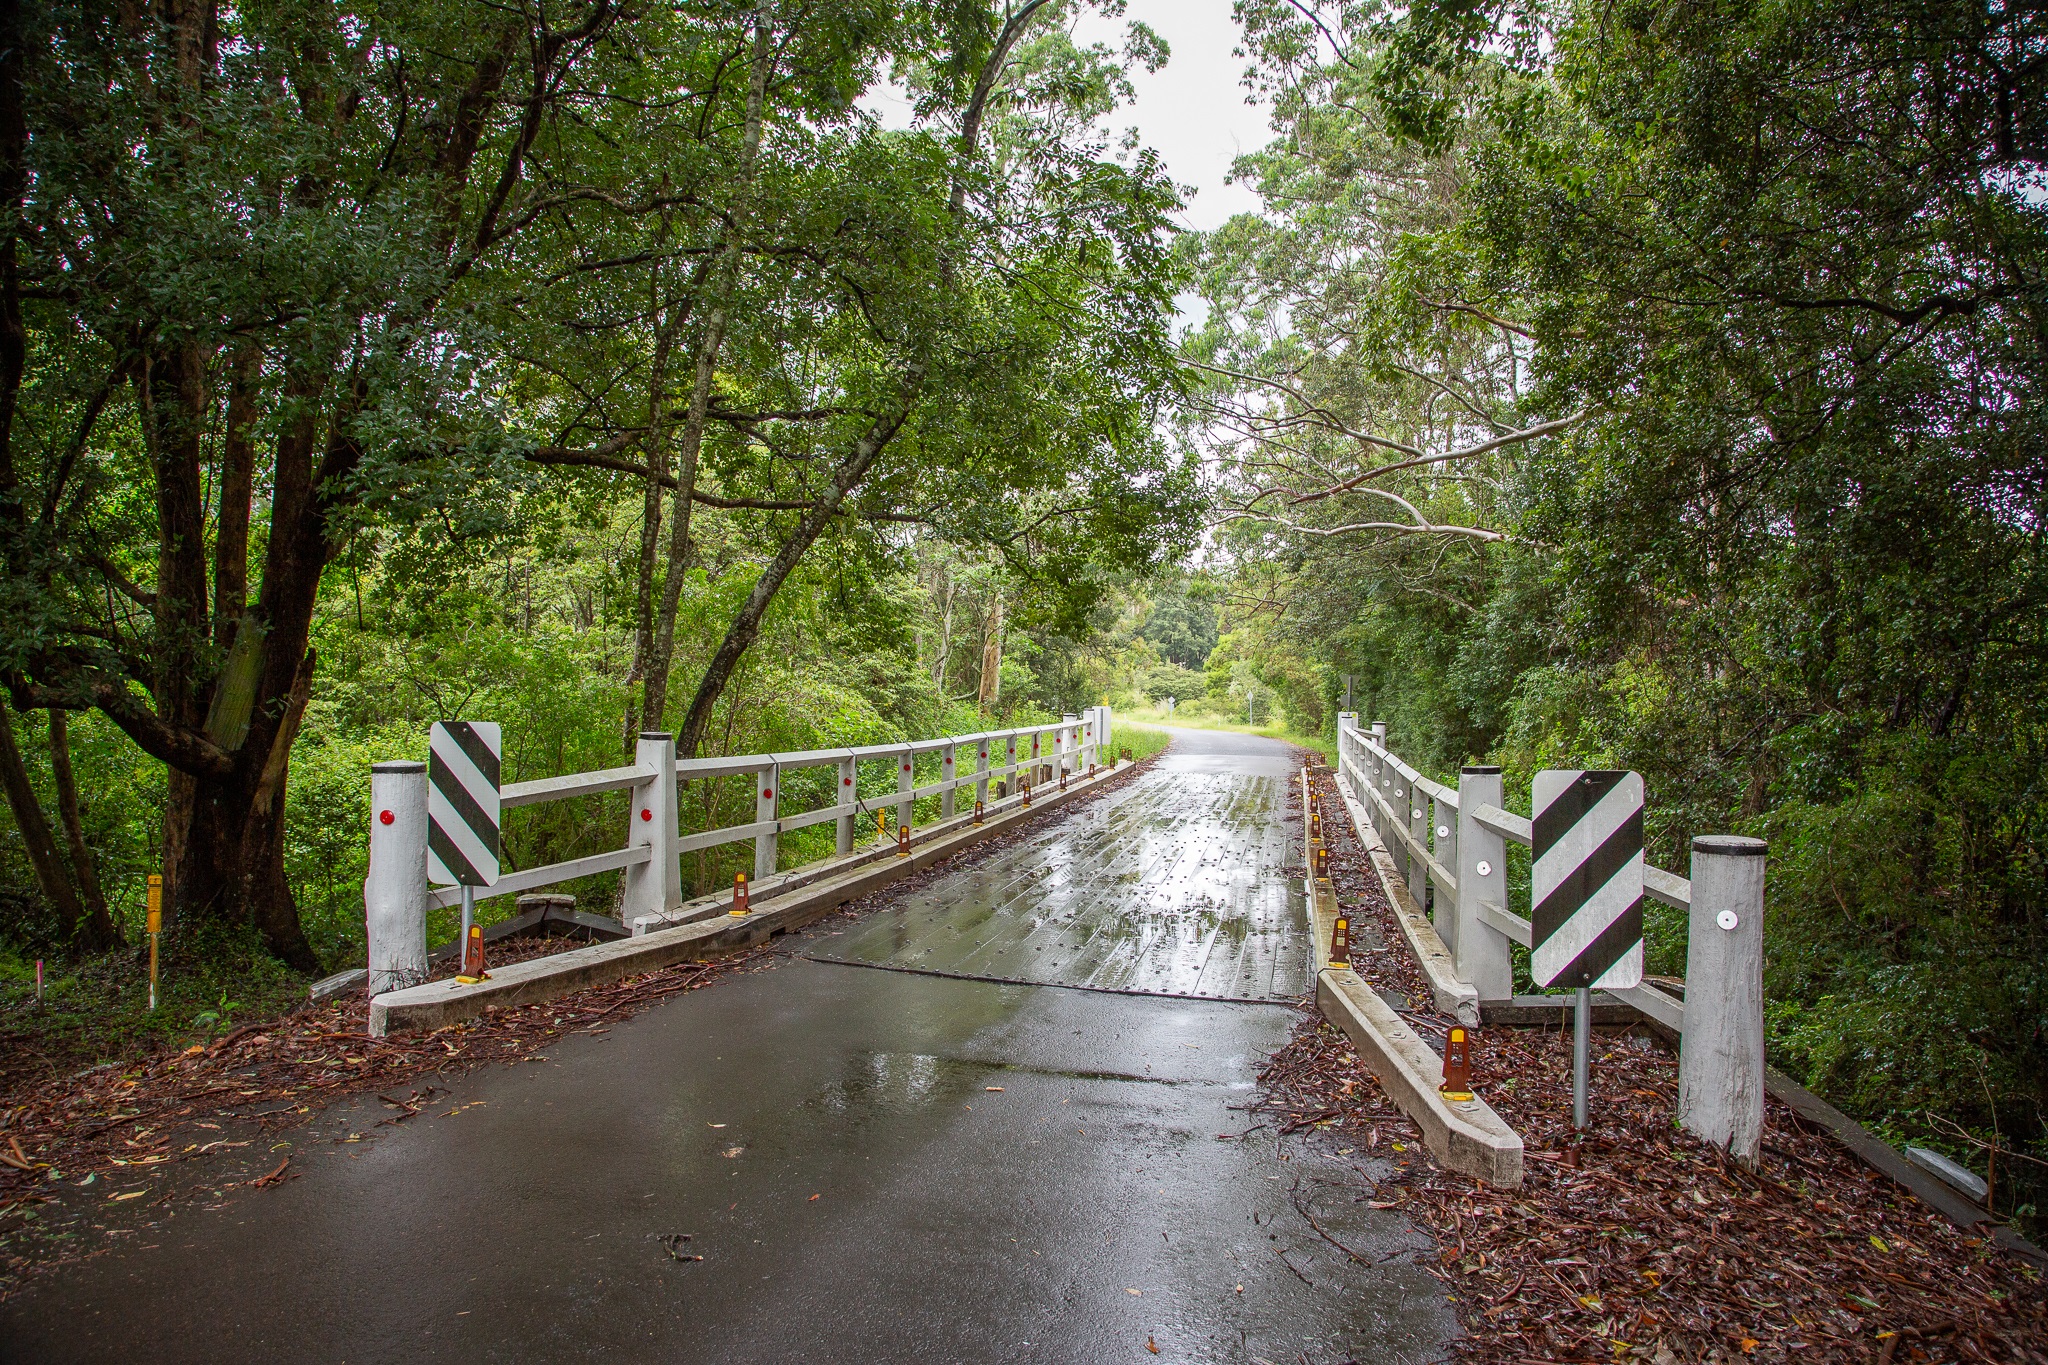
156,929
462,820
1586,895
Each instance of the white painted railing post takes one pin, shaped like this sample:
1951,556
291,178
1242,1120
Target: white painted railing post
654,887
1418,831
847,792
1382,780
1104,734
1721,1051
1445,829
906,778
1347,756
1482,957
1037,736
767,801
948,771
981,771
1010,762
1070,731
395,891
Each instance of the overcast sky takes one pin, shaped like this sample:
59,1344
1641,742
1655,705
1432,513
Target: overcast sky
1192,110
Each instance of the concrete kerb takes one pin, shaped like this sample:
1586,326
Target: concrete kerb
789,905
1465,1135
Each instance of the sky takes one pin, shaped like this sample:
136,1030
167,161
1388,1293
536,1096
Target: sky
1192,110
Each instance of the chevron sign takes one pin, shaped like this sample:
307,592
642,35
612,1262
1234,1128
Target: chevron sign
1586,883
462,803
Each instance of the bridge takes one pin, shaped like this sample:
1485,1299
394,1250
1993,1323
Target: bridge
985,1092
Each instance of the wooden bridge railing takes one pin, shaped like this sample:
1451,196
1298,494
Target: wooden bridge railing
1450,846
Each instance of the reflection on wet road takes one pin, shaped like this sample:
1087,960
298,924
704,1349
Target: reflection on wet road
873,1165
1174,885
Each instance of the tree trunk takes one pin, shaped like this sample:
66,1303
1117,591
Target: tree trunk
712,342
650,523
945,629
36,838
237,484
746,626
992,655
94,929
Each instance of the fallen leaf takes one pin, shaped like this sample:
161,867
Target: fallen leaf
1135,1293
1150,1347
132,1194
812,1200
732,1151
1878,1242
993,1089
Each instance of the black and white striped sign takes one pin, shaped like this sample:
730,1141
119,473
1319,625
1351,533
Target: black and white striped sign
462,803
1586,883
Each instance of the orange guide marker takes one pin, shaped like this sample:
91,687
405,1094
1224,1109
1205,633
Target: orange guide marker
473,957
1457,1065
739,894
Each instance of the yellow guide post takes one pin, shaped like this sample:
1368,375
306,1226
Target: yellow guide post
156,927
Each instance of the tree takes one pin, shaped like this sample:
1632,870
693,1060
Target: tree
275,282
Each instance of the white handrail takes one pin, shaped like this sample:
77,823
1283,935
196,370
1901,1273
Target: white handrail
654,844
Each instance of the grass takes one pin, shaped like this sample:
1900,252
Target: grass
1191,719
1142,740
96,1009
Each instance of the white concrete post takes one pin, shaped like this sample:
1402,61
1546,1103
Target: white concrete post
847,792
1379,775
1482,958
948,771
1036,737
1418,830
1087,754
654,887
1104,734
1347,751
1721,1052
767,801
1010,762
981,771
1446,848
1070,729
395,891
906,778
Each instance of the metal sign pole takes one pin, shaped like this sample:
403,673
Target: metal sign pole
468,915
1582,1053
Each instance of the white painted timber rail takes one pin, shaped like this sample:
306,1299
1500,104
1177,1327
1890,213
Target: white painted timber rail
396,895
1450,846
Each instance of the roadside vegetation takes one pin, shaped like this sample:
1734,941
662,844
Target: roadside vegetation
1653,387
1660,386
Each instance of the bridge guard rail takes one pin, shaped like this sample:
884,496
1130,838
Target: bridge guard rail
1450,846
397,896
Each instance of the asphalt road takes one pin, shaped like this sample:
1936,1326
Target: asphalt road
873,1165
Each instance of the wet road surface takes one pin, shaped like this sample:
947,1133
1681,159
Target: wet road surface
1174,885
828,1139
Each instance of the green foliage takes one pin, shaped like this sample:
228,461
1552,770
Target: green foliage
1789,564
